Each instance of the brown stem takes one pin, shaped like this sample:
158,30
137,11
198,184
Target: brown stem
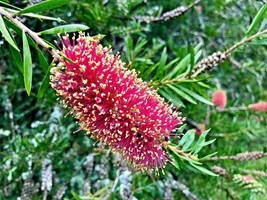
202,66
167,15
240,157
244,41
240,108
34,35
175,149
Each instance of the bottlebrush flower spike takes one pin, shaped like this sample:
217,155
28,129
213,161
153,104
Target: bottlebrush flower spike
260,106
112,104
219,98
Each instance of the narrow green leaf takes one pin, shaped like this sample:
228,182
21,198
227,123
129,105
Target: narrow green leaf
17,58
138,47
199,144
186,137
40,17
42,59
27,64
6,34
76,196
19,32
167,94
162,63
257,19
208,156
190,160
43,6
43,17
192,57
181,129
65,29
189,140
148,71
195,54
196,96
174,162
182,94
208,142
179,68
203,170
45,83
9,5
168,66
129,48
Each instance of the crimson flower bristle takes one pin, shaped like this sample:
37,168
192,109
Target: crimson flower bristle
112,104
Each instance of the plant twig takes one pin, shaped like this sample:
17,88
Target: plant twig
218,57
167,15
244,41
34,35
184,189
241,156
239,108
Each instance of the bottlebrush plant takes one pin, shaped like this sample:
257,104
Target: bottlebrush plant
138,106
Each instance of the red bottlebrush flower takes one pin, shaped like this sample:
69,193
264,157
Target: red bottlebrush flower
112,104
260,106
219,98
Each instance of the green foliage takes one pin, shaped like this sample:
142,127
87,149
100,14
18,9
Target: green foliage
33,128
27,64
258,18
43,6
6,34
65,29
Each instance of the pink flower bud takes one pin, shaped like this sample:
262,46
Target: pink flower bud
260,106
219,98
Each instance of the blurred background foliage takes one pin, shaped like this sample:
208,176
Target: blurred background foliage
38,146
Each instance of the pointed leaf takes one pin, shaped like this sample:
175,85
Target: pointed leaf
162,63
43,17
129,48
9,5
17,58
203,170
148,71
6,34
182,94
138,47
257,19
76,196
189,140
65,29
42,59
27,64
45,83
167,94
186,137
43,6
179,68
196,96
174,162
